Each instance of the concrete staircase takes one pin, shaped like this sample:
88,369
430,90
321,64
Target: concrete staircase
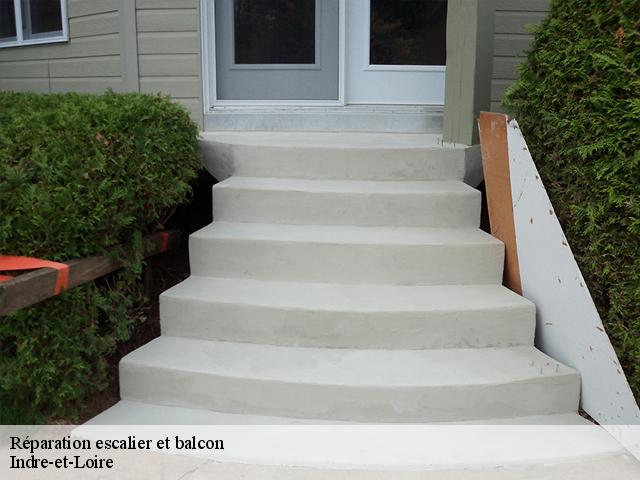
345,281
345,278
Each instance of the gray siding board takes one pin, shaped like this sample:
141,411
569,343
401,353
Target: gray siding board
506,67
523,5
169,56
179,87
167,20
77,47
159,65
79,8
40,85
512,39
86,85
109,66
92,25
153,4
168,42
517,22
23,70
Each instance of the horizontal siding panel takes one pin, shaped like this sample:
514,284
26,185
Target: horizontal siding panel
77,47
497,107
36,69
40,85
85,85
194,107
79,8
506,67
524,5
152,4
178,87
498,88
110,66
517,22
94,25
169,65
166,20
505,45
168,42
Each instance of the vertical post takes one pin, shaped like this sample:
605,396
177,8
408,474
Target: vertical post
470,29
129,46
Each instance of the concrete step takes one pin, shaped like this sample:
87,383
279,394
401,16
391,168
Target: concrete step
338,156
344,254
127,412
347,316
346,202
344,384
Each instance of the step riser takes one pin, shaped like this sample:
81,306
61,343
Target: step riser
319,208
365,404
342,263
390,330
334,163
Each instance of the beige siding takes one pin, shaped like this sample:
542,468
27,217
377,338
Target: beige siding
169,51
512,38
89,62
145,45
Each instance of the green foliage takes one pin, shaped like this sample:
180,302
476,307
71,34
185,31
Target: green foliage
578,104
82,175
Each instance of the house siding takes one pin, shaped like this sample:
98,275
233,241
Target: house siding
150,46
168,35
90,62
511,41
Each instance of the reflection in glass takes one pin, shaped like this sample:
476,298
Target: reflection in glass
274,31
41,18
408,32
7,20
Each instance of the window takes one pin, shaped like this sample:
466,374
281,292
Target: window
29,22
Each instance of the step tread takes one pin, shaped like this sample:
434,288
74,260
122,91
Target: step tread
348,140
339,297
351,235
128,412
362,368
369,187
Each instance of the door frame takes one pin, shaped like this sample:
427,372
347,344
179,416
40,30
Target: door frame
208,48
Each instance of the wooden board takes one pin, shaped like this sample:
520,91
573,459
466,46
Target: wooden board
38,285
497,178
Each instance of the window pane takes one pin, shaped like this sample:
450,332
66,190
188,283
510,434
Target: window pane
274,31
7,20
41,18
408,32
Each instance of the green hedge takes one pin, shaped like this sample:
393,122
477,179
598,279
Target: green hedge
82,175
578,104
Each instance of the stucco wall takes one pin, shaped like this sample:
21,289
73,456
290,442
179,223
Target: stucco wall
511,40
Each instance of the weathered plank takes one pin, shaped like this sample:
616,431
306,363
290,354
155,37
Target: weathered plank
495,164
33,287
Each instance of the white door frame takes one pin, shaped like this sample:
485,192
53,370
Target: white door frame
208,39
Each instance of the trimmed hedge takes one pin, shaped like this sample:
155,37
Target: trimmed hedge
83,175
578,104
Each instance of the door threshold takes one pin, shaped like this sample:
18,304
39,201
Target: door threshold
349,118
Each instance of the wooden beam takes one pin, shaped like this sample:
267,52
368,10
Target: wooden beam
497,178
33,287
